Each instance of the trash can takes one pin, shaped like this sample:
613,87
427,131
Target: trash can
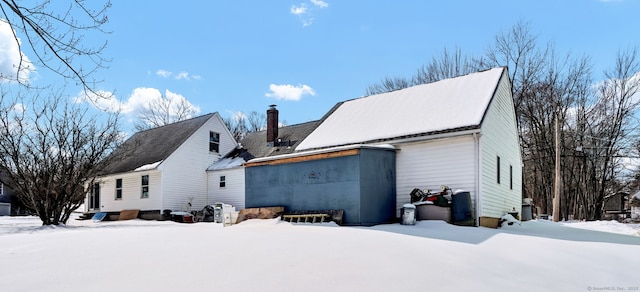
408,214
217,213
461,209
527,212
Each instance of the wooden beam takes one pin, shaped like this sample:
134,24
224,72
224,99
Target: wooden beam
311,157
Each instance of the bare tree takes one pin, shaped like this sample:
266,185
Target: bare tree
388,84
613,124
257,121
518,49
447,65
165,110
56,38
52,150
598,121
237,125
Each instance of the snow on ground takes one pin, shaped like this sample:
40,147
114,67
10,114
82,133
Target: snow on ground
607,226
271,255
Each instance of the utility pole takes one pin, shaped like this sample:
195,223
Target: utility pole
556,193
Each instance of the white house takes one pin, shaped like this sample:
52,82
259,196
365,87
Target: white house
162,168
460,132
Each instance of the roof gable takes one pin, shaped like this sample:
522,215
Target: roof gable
153,145
446,105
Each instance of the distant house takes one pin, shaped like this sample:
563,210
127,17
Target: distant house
7,196
226,177
616,206
162,168
460,132
634,205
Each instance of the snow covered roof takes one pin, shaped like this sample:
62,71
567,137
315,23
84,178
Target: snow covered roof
255,145
147,149
447,105
227,163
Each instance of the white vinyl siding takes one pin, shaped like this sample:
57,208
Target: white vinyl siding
499,138
131,190
233,191
176,179
184,172
432,163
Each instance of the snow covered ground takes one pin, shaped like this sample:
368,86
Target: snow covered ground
271,255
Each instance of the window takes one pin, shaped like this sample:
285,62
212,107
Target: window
214,142
498,170
223,181
119,189
145,186
510,177
1,189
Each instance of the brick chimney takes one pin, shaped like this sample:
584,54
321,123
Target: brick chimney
272,125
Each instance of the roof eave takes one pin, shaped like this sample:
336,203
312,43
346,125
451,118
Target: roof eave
461,131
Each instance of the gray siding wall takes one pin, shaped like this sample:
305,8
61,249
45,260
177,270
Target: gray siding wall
362,185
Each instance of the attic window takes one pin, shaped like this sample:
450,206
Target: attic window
214,142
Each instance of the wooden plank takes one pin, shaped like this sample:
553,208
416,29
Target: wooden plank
489,222
128,214
306,158
259,213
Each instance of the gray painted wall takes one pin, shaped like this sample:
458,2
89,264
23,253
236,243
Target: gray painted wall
362,185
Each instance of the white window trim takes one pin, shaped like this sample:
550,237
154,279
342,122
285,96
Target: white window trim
118,189
221,180
142,187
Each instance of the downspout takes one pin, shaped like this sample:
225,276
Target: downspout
206,173
476,175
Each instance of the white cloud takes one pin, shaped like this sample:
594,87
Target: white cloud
182,75
320,3
163,73
299,10
289,92
102,100
236,115
10,57
19,108
303,11
138,101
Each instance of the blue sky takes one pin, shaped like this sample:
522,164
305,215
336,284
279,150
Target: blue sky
305,56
